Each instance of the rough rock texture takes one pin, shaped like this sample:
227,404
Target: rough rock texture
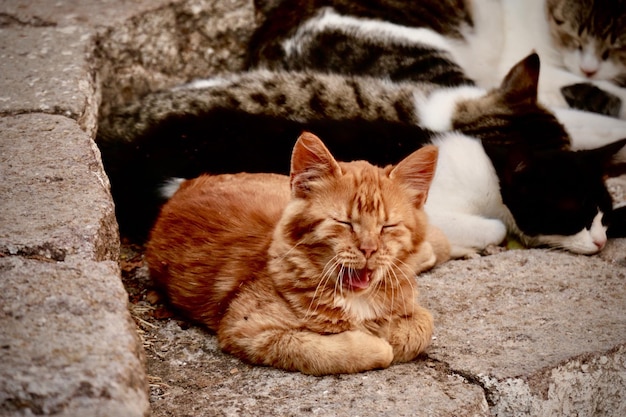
171,45
44,69
518,333
55,195
194,377
542,331
68,346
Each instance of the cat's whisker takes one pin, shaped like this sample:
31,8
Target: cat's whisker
340,276
388,283
392,274
405,277
325,276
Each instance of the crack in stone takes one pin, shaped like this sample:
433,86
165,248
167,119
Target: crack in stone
446,369
46,252
7,20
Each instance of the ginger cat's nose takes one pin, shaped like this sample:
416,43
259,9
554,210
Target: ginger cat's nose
368,247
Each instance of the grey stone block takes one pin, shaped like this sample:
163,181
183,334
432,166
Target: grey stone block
67,346
55,195
540,330
47,70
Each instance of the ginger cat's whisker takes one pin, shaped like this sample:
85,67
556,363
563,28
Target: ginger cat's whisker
325,276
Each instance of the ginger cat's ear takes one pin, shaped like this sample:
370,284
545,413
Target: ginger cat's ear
310,161
417,171
522,81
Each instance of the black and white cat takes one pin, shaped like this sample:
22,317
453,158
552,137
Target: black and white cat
504,164
582,44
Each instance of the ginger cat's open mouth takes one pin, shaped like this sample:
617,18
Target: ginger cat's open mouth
355,279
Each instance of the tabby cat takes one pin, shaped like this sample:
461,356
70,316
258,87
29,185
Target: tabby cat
247,123
314,272
582,43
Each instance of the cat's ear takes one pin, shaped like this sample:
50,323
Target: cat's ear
521,83
310,161
417,171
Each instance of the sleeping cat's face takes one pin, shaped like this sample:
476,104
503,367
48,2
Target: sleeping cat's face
559,198
355,231
591,36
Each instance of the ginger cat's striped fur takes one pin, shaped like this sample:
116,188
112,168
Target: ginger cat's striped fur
314,272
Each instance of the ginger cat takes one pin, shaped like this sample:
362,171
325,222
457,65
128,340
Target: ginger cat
314,272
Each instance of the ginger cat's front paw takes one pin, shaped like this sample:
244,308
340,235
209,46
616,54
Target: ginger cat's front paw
409,336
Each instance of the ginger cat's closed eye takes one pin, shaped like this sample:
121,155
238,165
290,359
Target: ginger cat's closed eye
314,272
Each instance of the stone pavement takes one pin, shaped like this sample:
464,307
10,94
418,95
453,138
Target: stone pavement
518,333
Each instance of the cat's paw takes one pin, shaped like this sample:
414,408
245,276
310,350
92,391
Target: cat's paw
409,335
588,97
493,250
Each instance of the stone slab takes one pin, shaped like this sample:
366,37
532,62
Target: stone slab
527,333
87,13
526,324
68,346
55,196
48,70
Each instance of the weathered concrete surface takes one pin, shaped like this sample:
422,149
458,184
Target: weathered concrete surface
55,195
543,332
68,345
46,70
518,333
170,45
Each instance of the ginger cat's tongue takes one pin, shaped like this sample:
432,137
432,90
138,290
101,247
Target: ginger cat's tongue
355,279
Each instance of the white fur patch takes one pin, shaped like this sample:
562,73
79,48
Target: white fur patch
202,83
169,187
435,111
329,19
360,308
464,199
586,242
592,130
483,39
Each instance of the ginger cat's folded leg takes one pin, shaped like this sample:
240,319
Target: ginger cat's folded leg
272,336
311,353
